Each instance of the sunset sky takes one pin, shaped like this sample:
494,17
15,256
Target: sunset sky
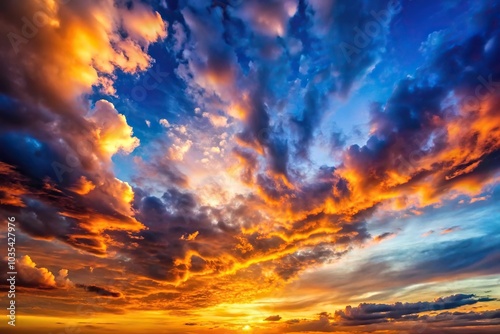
251,166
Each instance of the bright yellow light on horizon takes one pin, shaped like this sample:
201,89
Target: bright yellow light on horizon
247,328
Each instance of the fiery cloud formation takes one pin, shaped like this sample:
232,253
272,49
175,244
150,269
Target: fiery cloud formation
41,278
253,166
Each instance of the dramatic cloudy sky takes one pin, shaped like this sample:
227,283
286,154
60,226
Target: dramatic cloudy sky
251,166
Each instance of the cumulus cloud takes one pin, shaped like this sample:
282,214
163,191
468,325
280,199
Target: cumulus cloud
95,47
41,278
47,118
111,129
179,149
216,120
164,123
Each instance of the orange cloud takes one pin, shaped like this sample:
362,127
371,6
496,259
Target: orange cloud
33,276
11,192
83,186
112,132
428,176
83,42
